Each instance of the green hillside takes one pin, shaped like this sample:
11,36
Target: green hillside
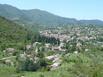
11,34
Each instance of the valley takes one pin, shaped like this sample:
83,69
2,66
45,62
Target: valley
55,50
36,43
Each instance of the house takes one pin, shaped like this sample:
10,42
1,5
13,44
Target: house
50,57
47,45
55,48
9,62
9,51
28,47
55,65
76,52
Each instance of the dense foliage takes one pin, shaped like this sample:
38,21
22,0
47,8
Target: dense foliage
44,39
11,34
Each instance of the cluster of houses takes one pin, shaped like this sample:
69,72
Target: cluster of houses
64,35
55,60
78,32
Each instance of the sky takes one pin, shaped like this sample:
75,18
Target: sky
79,9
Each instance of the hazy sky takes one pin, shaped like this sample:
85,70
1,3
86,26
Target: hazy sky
80,9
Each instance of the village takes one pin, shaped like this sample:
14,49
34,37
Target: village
72,40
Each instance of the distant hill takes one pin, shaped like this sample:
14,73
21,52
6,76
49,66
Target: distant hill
95,22
46,18
36,16
11,34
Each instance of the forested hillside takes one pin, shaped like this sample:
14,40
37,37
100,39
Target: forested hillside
11,34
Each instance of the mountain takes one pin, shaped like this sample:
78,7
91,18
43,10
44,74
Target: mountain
36,16
95,22
12,13
46,18
32,16
11,34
